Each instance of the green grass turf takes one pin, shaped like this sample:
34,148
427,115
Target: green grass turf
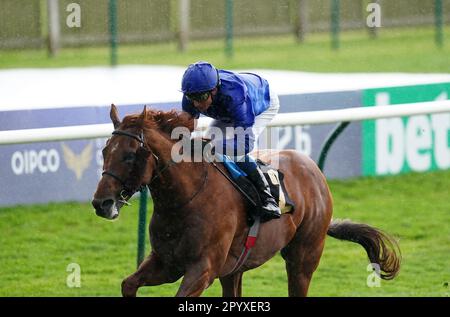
395,50
38,242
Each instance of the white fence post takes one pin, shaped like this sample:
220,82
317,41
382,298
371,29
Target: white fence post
184,6
53,27
302,20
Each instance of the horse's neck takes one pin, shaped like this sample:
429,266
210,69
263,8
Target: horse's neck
173,182
159,144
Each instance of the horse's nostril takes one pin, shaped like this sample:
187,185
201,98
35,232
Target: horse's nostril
106,204
96,203
102,205
99,212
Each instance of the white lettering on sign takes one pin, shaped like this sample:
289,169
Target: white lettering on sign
389,145
100,144
302,140
418,143
440,123
415,142
27,162
283,136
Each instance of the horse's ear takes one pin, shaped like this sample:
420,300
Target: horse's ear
144,113
143,116
114,115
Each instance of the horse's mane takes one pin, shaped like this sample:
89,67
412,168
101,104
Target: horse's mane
160,120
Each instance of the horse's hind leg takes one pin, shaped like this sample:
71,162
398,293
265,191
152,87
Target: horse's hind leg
232,285
149,273
302,257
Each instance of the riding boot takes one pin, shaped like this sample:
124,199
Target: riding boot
269,208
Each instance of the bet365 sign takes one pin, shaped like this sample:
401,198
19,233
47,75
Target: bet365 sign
416,143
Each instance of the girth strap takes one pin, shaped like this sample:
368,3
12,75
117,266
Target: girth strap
249,244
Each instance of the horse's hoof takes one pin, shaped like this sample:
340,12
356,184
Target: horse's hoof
128,289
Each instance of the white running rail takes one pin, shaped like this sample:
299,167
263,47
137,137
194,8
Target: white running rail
282,119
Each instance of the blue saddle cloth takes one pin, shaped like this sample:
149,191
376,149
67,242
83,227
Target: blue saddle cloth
232,167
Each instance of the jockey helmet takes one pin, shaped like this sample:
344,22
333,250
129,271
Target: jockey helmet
199,77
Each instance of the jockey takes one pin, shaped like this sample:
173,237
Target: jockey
242,101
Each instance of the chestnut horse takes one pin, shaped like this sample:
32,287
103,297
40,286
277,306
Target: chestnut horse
199,223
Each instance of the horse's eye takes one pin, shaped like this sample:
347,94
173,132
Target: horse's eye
129,157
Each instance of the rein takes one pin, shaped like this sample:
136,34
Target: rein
198,191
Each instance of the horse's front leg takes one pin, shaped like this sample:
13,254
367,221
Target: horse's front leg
196,279
232,285
149,273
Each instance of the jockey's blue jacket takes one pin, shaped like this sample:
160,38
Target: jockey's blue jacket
239,99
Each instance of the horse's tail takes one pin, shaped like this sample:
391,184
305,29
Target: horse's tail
380,247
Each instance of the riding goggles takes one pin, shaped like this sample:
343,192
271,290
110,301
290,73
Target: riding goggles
198,96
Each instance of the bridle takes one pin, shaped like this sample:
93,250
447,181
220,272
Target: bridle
127,191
